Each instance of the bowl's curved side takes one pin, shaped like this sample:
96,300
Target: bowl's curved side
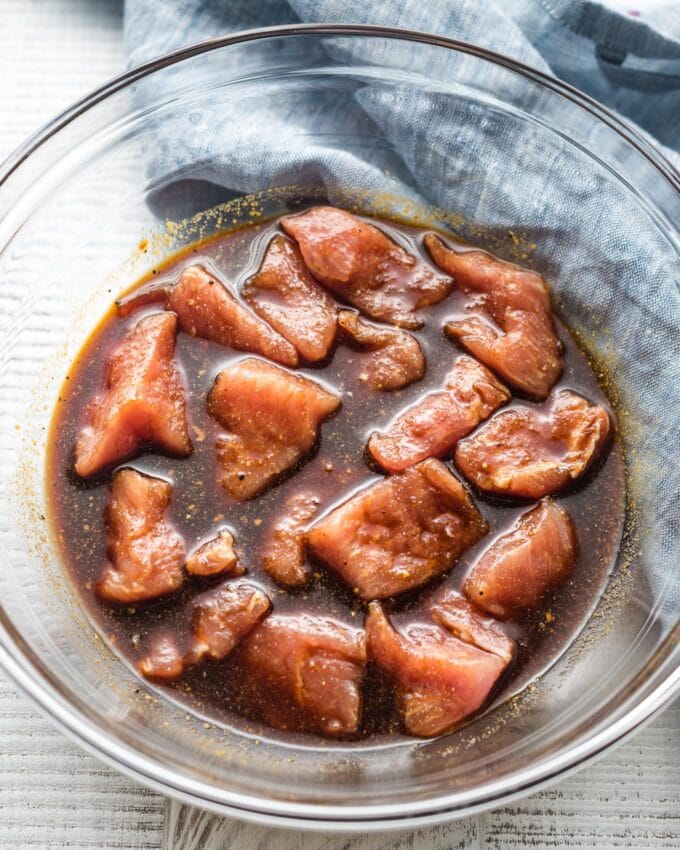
46,187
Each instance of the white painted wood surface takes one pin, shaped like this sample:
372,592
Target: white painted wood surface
53,795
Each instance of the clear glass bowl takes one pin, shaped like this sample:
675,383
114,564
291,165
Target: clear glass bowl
76,227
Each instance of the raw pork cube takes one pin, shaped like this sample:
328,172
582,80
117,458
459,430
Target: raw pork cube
272,418
530,452
206,308
399,533
433,426
304,673
286,296
363,266
509,323
146,554
516,571
439,679
143,402
394,357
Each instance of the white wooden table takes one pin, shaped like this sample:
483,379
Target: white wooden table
52,795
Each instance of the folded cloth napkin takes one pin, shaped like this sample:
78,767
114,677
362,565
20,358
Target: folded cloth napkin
625,55
631,64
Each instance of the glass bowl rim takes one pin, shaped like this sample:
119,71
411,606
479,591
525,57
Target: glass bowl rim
15,659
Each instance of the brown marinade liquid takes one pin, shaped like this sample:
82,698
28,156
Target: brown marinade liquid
339,466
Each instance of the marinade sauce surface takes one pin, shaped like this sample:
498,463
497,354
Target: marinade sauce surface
338,467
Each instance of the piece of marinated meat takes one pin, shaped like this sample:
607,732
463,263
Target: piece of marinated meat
471,625
164,660
283,555
223,616
509,324
530,452
395,358
286,296
516,571
272,418
143,402
145,552
304,673
366,268
215,557
400,532
433,425
206,308
439,679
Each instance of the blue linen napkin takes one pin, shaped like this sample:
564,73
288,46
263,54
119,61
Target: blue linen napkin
630,62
